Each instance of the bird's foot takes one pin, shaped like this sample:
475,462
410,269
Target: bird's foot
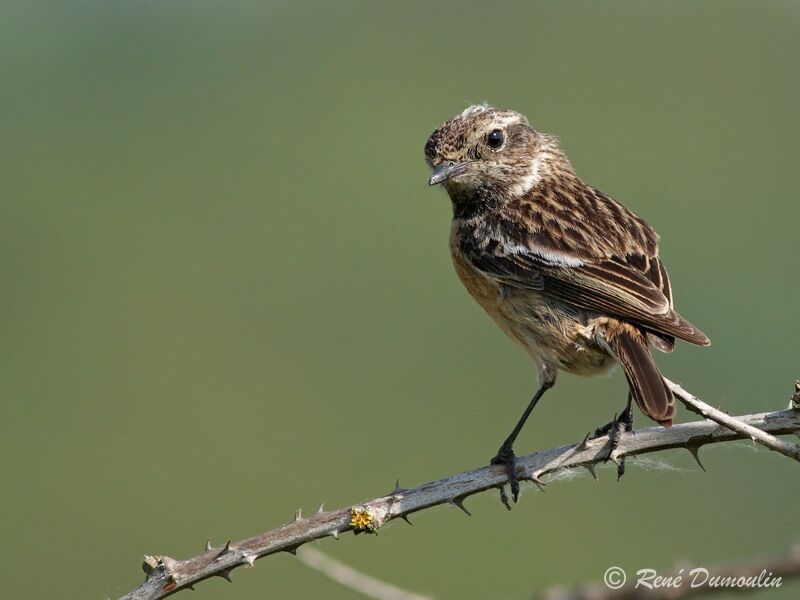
614,430
505,456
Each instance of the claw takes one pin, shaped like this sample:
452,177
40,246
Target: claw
605,429
505,456
504,497
615,433
620,424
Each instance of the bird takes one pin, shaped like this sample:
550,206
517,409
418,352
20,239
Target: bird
566,271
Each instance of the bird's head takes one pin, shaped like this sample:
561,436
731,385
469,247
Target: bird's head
487,151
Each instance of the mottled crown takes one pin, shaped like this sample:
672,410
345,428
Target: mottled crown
491,152
459,135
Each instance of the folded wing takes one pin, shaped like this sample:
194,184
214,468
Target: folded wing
633,288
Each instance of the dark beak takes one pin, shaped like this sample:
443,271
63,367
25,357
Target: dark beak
445,171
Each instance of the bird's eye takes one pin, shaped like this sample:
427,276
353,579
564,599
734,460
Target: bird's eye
495,139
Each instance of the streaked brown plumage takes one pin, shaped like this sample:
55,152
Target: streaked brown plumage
565,270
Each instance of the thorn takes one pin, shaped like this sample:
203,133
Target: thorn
250,559
397,489
585,443
321,509
590,467
695,452
224,551
459,503
208,545
504,497
190,587
406,519
226,575
335,534
535,479
298,515
292,551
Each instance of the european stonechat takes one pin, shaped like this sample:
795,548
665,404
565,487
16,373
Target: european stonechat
566,271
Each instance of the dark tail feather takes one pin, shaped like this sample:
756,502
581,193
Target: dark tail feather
647,385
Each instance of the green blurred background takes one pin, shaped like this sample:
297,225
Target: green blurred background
227,291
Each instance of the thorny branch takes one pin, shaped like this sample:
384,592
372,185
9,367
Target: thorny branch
757,435
166,576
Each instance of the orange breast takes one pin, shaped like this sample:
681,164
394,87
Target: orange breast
549,331
485,291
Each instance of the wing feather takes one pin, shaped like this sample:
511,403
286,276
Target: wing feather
613,286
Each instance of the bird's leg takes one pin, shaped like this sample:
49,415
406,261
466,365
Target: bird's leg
614,429
505,455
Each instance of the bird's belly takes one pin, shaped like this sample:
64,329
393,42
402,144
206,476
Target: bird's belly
550,331
553,332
